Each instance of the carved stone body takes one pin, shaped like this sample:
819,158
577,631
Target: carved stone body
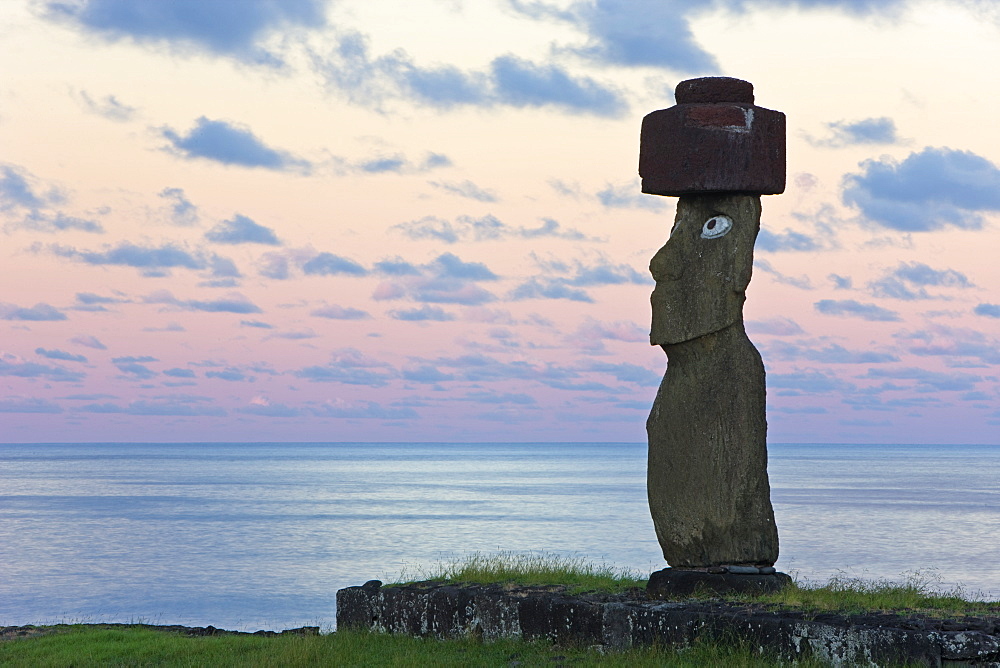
707,473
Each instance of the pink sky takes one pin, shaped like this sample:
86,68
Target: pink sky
373,221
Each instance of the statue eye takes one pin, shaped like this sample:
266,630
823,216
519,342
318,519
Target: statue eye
716,226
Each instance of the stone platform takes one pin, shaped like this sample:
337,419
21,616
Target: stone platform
616,622
671,583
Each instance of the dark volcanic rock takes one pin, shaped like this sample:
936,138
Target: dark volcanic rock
675,582
620,621
707,471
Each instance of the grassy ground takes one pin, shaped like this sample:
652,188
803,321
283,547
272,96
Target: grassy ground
94,646
576,573
917,591
89,646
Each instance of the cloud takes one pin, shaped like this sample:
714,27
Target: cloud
182,211
230,374
499,398
169,327
800,282
422,314
591,334
446,280
60,355
242,230
398,164
426,373
232,303
255,323
869,131
988,310
231,144
328,264
507,81
466,189
57,222
37,313
28,405
909,279
805,382
135,369
985,351
17,191
169,405
831,353
179,373
365,410
927,191
11,366
351,367
789,240
852,308
543,288
451,266
88,301
485,228
447,290
483,368
109,107
575,276
88,341
520,83
629,196
295,335
841,282
777,326
263,407
627,373
153,261
335,312
232,29
551,228
928,381
396,267
274,265
632,33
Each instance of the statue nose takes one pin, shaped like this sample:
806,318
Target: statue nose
666,265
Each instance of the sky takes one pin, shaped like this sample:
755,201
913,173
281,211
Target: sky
366,220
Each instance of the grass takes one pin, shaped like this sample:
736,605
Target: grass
577,574
919,591
88,646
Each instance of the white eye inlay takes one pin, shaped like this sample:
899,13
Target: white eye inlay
716,226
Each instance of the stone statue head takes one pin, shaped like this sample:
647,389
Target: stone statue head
703,270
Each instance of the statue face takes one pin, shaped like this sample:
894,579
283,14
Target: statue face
703,270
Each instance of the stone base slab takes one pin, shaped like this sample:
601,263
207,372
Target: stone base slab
675,582
617,622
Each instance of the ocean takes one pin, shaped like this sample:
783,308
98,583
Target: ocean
261,536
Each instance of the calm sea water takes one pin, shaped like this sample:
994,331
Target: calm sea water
252,536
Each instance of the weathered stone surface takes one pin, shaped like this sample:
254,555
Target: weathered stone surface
676,582
710,90
713,140
701,282
623,621
707,470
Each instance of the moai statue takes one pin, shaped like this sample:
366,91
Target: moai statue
707,473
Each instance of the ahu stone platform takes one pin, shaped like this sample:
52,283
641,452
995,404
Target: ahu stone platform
617,622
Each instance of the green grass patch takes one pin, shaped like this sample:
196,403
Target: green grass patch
577,574
918,591
88,646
